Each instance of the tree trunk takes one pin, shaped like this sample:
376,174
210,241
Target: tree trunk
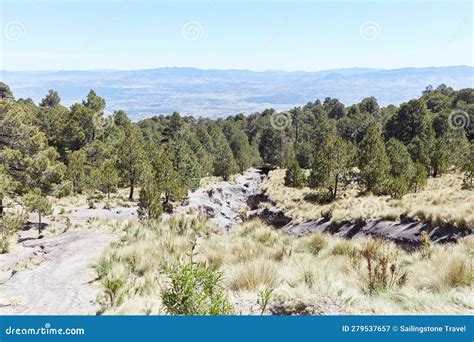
39,223
1,207
132,187
335,188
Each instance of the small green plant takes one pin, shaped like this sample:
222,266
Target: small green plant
9,225
195,289
113,281
91,204
264,297
426,245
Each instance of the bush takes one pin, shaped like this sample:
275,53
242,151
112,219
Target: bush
64,189
294,176
9,225
195,289
91,204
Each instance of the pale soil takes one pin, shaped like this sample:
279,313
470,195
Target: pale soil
54,273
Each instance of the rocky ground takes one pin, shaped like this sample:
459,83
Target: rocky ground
224,202
52,275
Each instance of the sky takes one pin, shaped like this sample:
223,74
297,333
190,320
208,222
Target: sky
223,34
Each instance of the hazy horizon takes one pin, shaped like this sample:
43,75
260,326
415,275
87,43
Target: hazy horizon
216,93
239,69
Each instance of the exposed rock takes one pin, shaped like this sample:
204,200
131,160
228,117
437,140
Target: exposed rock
405,233
60,279
272,216
223,203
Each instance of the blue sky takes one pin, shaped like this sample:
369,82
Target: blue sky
255,35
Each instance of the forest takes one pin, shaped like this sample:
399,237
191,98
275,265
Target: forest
48,149
49,152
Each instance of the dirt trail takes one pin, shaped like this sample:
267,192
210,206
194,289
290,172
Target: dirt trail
58,278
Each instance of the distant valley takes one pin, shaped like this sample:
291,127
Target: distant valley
219,93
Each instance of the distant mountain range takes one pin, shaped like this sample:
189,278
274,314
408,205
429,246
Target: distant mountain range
218,93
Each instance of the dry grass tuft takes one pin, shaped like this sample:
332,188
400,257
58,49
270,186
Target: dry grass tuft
316,274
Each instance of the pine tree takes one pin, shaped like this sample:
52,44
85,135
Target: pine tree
241,149
294,176
105,177
440,157
131,156
332,164
224,162
468,167
35,201
76,170
6,186
420,177
185,163
168,179
402,169
149,201
373,161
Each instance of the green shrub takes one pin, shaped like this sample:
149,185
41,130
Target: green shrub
195,289
91,204
4,244
294,176
64,189
9,225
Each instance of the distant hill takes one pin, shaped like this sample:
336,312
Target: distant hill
216,93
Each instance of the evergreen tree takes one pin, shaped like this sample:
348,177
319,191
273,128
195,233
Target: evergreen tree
420,177
25,154
35,201
409,122
6,186
373,161
294,176
6,93
224,163
105,177
402,169
332,164
168,179
149,201
440,157
185,162
468,167
131,156
241,148
76,171
52,99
